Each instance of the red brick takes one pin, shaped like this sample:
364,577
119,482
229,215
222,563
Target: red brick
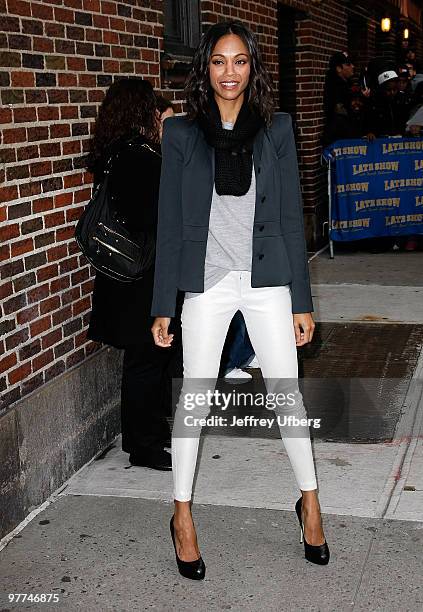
72,180
48,113
37,133
51,338
53,303
23,246
30,152
41,169
75,358
29,314
81,306
8,193
110,37
5,116
76,63
63,15
59,284
61,130
47,272
19,373
80,339
91,5
65,233
42,11
18,7
58,251
68,264
68,112
41,325
62,199
71,148
24,115
68,80
82,195
76,4
117,24
4,252
27,190
42,204
101,22
73,214
14,135
6,289
38,293
23,79
7,232
42,360
54,219
8,362
62,315
70,296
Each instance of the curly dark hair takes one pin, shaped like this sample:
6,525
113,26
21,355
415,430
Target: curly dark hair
129,105
198,88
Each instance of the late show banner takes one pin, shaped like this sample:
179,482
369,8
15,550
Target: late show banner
377,187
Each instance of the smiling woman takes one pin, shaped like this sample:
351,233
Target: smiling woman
234,55
230,235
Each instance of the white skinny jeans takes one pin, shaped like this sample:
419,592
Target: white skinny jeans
205,321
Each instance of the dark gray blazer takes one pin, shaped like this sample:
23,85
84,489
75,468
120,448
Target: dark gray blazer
186,189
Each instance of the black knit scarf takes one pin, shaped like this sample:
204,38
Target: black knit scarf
233,148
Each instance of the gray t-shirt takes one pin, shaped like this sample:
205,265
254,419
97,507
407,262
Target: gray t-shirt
230,236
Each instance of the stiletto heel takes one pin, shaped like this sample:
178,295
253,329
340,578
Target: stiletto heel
195,570
316,554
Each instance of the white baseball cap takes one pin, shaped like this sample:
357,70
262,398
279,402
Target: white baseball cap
387,75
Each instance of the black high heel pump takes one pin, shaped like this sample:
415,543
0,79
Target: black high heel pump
195,570
316,554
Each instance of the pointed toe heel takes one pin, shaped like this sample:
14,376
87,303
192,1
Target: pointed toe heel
194,570
315,554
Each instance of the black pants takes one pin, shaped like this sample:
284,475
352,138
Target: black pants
146,394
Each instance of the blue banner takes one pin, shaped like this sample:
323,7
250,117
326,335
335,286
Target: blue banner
376,187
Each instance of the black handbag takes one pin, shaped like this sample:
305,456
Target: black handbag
105,240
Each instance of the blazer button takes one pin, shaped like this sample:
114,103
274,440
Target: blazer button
263,198
261,228
261,256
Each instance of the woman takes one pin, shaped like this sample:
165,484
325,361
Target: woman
231,235
128,128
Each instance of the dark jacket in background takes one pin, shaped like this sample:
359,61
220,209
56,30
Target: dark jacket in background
343,127
336,91
121,311
387,117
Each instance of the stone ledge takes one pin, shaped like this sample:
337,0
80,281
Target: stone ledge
49,435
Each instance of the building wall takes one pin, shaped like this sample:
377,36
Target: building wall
57,58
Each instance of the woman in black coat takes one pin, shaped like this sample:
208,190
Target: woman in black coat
128,129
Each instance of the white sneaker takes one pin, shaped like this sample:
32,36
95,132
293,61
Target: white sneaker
254,363
238,376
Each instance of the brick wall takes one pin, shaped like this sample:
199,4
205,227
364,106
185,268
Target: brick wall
57,58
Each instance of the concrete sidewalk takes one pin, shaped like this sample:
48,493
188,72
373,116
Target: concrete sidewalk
102,542
115,554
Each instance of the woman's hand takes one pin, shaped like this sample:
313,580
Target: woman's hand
304,328
159,331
